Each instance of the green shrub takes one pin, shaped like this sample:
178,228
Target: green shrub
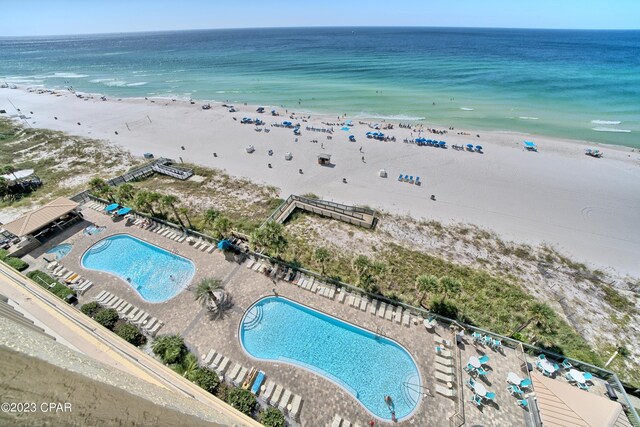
272,417
16,263
242,400
50,284
90,308
170,348
107,317
206,379
3,254
130,333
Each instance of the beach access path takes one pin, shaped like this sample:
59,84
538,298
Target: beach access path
585,207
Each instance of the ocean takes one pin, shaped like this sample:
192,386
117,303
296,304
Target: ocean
571,84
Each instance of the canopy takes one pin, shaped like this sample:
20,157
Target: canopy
286,123
478,147
346,128
529,144
469,145
41,217
224,244
112,207
124,211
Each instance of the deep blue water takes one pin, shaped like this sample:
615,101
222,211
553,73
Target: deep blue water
575,84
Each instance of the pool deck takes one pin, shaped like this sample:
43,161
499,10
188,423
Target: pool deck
322,399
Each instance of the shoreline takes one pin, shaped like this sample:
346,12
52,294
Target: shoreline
585,207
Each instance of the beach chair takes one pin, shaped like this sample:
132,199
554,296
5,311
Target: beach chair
582,386
418,182
295,406
566,364
568,377
525,383
276,395
587,376
447,392
406,178
522,402
469,369
471,383
484,359
443,352
514,390
284,401
541,357
476,400
476,336
100,295
445,378
490,396
446,369
336,421
411,179
268,390
400,177
481,372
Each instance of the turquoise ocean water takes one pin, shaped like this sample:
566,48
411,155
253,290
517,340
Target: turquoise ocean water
572,84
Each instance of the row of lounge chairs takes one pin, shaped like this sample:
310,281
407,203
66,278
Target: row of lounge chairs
409,179
131,313
338,421
69,278
251,379
376,308
445,372
162,230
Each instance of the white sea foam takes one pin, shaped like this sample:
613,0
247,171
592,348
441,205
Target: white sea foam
606,122
101,80
605,129
136,84
466,109
115,83
69,75
391,117
528,118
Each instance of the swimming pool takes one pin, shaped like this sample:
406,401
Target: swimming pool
61,250
368,366
157,275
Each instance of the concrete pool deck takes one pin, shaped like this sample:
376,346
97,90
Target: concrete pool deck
322,399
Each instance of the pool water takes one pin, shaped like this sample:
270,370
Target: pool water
369,367
156,274
60,251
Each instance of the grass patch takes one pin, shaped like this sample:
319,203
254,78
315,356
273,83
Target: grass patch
50,284
616,300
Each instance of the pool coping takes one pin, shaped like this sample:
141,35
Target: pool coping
320,372
129,284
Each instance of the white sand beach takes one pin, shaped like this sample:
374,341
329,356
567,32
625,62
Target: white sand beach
587,208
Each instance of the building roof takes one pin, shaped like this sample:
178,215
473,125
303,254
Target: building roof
38,218
561,404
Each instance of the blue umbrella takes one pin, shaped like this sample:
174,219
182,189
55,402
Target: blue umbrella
479,147
469,146
112,207
124,211
224,244
442,143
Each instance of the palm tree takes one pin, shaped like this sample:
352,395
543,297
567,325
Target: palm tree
448,286
184,211
187,367
541,315
270,237
4,187
170,201
125,193
210,215
100,187
426,283
322,255
211,294
221,227
10,169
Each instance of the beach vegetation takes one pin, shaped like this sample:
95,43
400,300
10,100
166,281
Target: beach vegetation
16,263
270,238
617,300
170,348
242,400
321,256
129,333
272,417
186,366
210,293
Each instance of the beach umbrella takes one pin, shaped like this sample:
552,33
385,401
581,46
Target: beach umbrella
124,211
112,207
479,147
470,146
442,143
224,244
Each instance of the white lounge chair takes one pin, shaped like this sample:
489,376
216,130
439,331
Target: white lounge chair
276,395
268,390
284,400
448,392
295,406
209,357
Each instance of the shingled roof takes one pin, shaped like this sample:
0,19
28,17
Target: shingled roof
38,218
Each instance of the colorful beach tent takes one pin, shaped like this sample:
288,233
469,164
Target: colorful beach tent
124,211
530,145
112,207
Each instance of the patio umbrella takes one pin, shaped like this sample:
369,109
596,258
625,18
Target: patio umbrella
112,207
479,147
224,244
470,146
124,211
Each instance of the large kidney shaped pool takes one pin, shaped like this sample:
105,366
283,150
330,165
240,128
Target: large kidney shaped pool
156,274
368,366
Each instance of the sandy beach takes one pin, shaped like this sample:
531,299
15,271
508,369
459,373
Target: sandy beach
587,208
